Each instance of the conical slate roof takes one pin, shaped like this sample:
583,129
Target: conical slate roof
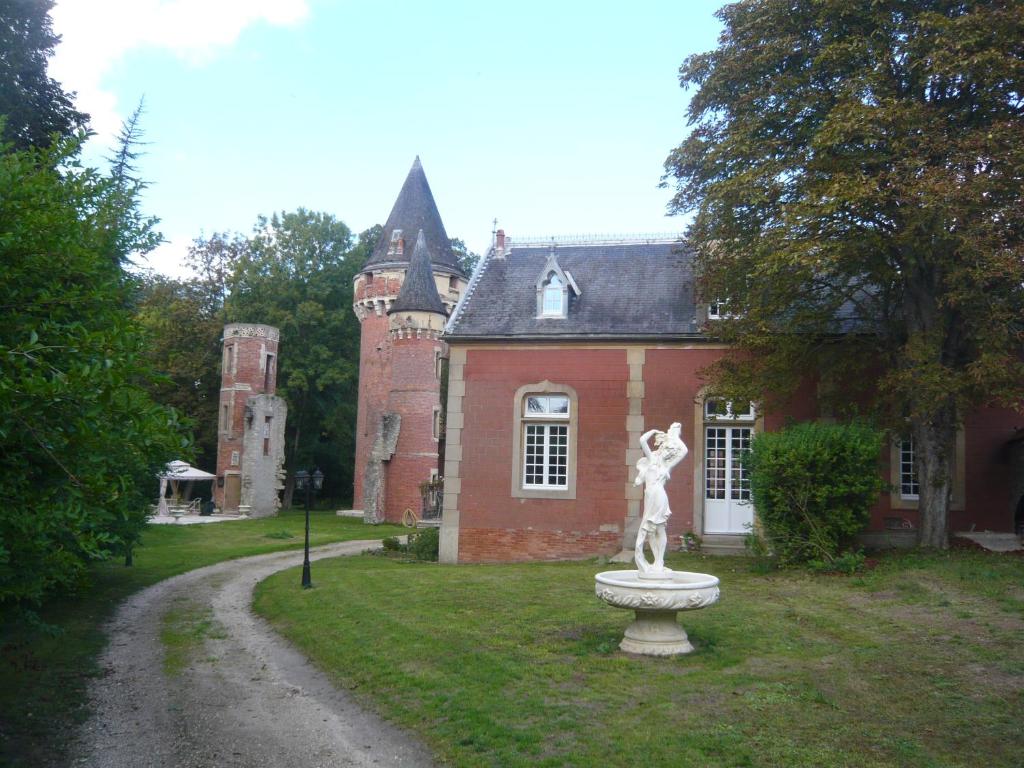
418,293
415,211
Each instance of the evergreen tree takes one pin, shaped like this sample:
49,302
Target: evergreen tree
33,106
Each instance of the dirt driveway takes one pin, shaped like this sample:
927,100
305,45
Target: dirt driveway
242,697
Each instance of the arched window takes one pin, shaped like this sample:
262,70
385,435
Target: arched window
553,298
544,442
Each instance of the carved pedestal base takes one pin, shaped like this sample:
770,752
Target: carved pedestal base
656,633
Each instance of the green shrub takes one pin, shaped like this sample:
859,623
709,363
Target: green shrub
424,543
813,486
392,544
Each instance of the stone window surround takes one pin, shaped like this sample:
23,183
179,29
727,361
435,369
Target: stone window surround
958,501
543,388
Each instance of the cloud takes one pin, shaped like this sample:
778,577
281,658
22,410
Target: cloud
97,33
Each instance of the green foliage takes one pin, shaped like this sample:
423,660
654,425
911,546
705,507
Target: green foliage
863,161
423,544
392,544
184,328
33,106
80,441
467,259
847,563
813,486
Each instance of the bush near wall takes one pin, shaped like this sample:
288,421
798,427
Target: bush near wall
813,486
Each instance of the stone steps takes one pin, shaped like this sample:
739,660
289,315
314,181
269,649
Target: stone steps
723,544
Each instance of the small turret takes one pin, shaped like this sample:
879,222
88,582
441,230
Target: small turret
407,288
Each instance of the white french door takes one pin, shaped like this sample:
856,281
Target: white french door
727,507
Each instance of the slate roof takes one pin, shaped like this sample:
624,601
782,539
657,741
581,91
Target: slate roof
628,289
415,210
418,290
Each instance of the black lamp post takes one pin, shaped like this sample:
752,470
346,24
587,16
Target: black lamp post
304,482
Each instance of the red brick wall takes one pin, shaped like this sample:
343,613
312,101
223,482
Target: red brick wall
502,545
374,383
247,371
496,526
414,393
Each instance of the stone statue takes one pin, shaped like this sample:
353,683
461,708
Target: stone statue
653,471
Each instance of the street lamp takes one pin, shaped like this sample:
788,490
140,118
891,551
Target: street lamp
309,484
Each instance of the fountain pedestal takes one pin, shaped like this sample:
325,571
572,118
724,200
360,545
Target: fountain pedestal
655,601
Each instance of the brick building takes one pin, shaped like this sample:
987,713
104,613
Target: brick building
562,355
251,421
403,296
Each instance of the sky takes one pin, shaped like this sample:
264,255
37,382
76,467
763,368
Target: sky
555,118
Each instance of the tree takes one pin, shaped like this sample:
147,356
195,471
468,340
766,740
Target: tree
296,274
467,259
857,171
183,328
33,106
80,440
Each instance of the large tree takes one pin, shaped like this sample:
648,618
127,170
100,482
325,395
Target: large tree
857,172
33,106
80,440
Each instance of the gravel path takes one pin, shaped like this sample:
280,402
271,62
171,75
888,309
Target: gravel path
246,698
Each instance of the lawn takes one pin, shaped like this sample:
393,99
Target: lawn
44,671
915,663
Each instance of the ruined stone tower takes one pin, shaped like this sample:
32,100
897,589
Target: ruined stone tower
250,433
398,424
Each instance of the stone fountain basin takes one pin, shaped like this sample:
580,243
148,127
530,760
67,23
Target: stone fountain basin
655,601
676,591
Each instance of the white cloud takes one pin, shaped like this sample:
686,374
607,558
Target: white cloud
97,33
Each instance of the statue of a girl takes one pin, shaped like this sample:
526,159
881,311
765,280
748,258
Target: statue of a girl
653,471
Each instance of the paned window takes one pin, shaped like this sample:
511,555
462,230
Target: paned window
725,475
546,441
554,297
909,489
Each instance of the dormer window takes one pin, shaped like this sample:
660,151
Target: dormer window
553,297
397,245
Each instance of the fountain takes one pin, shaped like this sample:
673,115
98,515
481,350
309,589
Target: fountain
656,593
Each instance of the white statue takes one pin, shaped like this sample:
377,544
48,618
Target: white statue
653,471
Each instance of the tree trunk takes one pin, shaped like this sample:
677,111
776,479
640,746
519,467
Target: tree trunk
290,469
934,445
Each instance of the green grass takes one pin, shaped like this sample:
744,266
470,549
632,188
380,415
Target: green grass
184,628
917,663
44,672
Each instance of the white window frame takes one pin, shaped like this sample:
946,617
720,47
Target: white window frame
549,427
908,470
524,420
549,288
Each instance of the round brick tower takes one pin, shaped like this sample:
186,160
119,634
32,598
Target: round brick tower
415,322
375,291
248,369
